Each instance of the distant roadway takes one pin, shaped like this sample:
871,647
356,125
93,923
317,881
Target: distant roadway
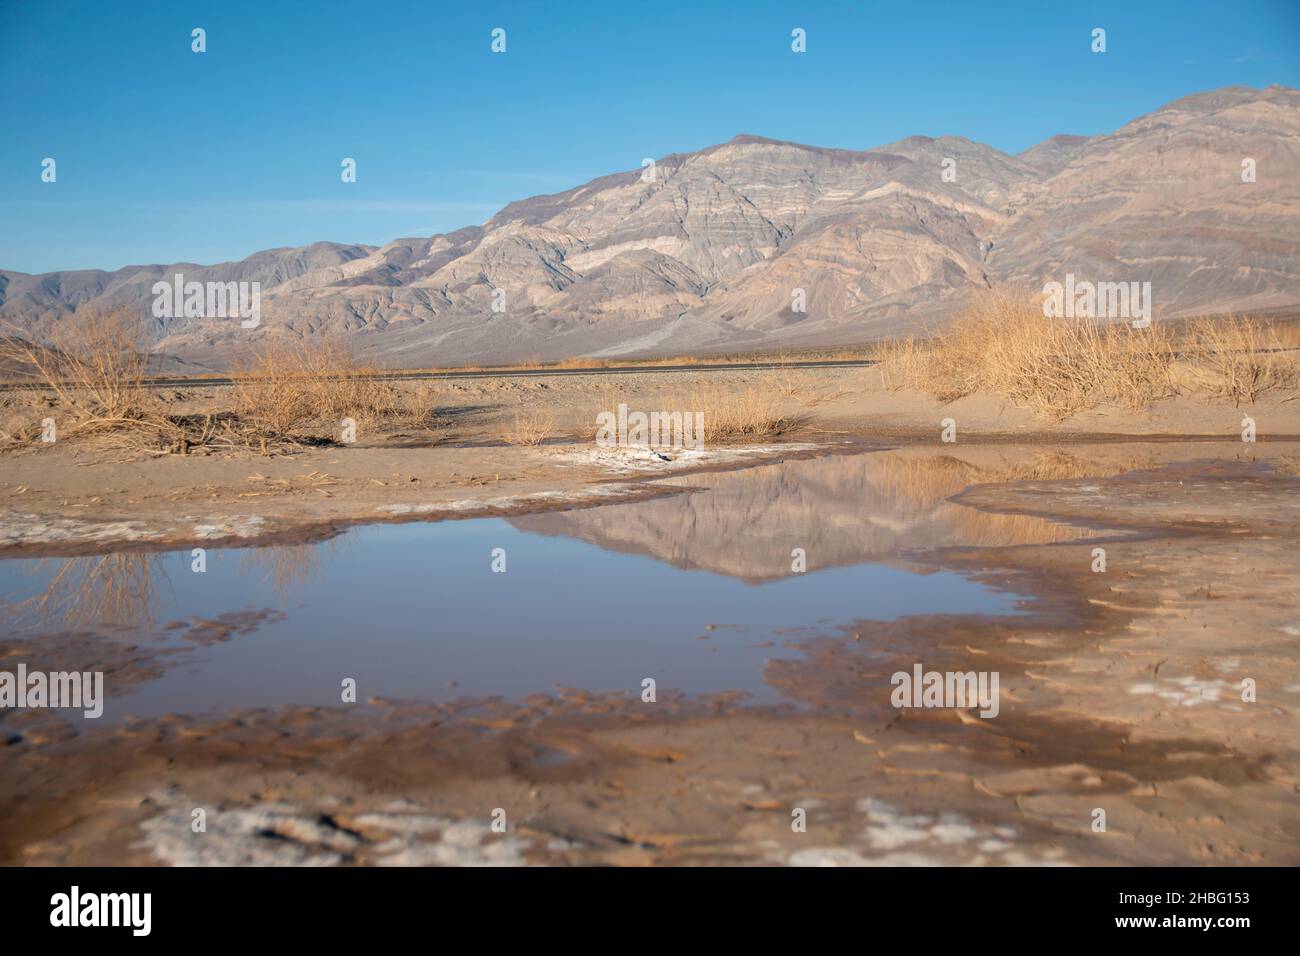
417,375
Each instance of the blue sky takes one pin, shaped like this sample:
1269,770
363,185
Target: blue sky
166,155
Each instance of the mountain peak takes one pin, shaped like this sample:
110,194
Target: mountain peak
751,139
704,251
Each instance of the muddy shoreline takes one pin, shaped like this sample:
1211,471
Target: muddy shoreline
1097,679
84,524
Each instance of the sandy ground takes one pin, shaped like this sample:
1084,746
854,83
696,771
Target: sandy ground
1121,691
70,497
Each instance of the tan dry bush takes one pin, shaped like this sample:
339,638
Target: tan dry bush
273,392
736,414
21,411
603,396
731,412
899,361
93,364
290,389
799,385
530,426
607,398
415,407
1237,358
1004,345
1287,334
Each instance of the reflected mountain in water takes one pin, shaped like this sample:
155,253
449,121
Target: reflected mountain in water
414,611
842,510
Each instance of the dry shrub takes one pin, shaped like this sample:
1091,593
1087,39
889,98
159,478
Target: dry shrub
1238,358
900,361
273,391
608,395
415,407
91,368
21,411
736,414
1286,333
91,379
289,388
1004,345
530,426
731,412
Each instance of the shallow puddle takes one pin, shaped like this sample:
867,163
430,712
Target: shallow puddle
696,590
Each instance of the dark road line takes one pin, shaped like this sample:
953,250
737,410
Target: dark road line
416,376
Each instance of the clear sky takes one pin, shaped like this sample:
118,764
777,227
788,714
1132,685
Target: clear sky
167,155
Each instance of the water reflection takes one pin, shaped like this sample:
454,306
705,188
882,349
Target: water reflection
102,592
122,591
842,511
695,590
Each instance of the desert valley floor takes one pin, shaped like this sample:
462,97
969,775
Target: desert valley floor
518,695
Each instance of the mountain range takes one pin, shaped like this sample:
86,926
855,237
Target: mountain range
705,252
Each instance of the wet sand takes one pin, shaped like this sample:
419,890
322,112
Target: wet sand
1121,691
